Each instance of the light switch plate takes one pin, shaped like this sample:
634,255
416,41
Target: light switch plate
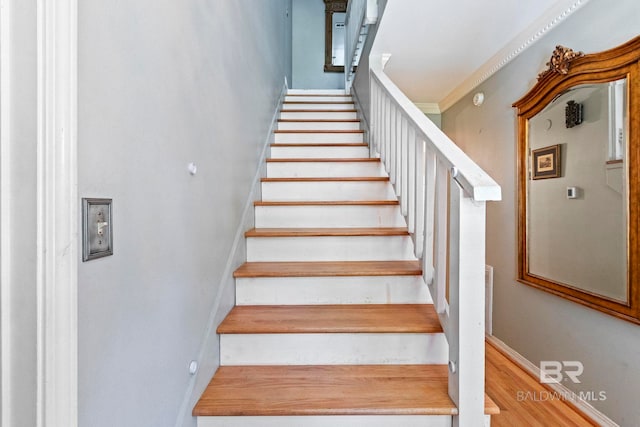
97,228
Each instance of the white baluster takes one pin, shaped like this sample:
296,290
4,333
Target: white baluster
374,147
392,151
429,216
441,228
385,127
397,152
419,196
402,161
411,179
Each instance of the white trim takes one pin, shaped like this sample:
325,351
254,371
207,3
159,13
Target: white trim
57,214
239,245
428,107
596,416
5,219
371,14
549,20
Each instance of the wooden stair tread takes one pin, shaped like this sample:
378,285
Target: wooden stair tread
329,203
319,94
318,102
326,160
312,110
322,131
317,232
340,318
329,390
320,144
329,269
328,179
319,120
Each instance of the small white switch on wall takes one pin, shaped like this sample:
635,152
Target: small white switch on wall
572,192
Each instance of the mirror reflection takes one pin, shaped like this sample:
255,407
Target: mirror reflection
577,190
579,179
334,35
338,39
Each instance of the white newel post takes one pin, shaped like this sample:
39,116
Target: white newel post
466,307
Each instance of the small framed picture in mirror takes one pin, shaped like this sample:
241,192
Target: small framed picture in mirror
545,162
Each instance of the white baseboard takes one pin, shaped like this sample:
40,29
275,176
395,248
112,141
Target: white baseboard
210,339
571,397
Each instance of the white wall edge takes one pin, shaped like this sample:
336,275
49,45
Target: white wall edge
527,38
185,408
428,107
584,406
5,219
57,214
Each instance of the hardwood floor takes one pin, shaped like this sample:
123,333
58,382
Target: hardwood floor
522,400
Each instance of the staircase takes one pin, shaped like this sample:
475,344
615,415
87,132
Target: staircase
333,323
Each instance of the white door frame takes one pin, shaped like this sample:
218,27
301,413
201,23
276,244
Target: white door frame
57,215
5,242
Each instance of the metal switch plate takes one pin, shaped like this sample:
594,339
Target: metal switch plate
97,228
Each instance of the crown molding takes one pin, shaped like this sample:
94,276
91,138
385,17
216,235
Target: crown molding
527,38
428,107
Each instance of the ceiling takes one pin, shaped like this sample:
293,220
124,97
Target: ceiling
441,49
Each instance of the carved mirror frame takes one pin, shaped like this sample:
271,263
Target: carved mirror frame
568,69
331,6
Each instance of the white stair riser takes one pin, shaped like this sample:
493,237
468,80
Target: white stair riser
318,138
316,92
315,152
318,106
318,125
327,190
328,216
332,349
317,115
328,421
330,248
316,98
324,169
332,290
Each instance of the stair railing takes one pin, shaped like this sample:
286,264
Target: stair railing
442,194
360,14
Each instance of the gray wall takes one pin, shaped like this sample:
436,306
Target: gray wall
537,324
162,84
20,260
308,48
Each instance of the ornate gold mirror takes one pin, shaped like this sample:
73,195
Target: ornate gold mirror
579,179
334,35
